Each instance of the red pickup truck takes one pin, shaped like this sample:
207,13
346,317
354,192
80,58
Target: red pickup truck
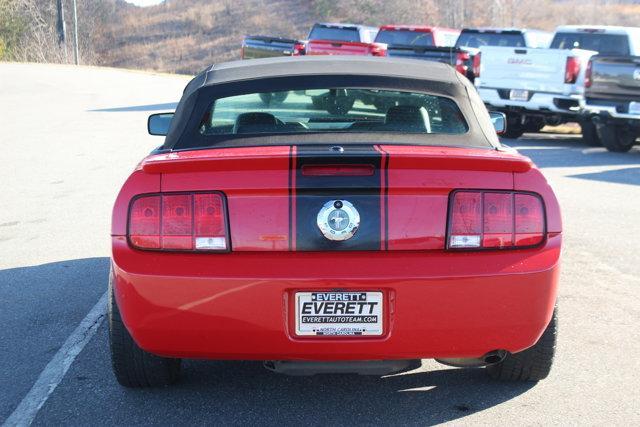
343,39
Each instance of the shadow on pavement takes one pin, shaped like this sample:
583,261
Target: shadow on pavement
565,151
150,107
218,392
629,176
416,397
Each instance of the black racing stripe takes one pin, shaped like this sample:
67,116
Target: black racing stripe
385,191
312,192
291,213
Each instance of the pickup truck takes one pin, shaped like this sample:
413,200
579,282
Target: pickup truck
268,46
612,100
471,40
343,39
417,42
534,87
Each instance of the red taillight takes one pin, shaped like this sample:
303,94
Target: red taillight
298,49
462,59
572,69
193,221
476,64
379,49
242,52
588,79
495,219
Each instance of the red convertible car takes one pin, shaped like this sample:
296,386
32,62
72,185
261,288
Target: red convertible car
350,240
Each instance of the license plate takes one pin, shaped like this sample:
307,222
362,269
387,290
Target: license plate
518,95
339,313
634,108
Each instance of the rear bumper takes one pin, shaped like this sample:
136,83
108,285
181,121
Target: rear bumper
609,112
540,103
239,306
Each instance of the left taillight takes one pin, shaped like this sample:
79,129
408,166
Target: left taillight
495,220
179,222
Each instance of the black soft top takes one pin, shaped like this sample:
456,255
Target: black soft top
309,72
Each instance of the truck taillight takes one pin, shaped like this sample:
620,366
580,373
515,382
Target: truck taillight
178,221
588,79
378,49
572,69
298,49
462,59
476,64
495,220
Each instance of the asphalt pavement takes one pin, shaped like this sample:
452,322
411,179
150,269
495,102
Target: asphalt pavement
69,138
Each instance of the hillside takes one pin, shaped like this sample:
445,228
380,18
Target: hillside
185,35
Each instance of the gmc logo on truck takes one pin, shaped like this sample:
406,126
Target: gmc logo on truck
521,61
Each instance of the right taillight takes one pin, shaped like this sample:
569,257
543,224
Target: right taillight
571,69
495,220
476,64
178,222
588,79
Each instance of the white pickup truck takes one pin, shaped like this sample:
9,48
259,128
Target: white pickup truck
534,87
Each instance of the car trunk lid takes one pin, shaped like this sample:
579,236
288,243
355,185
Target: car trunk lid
275,194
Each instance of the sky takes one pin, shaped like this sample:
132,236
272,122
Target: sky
144,2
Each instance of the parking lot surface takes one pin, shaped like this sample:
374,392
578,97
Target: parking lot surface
70,136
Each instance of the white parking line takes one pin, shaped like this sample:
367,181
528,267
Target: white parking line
56,369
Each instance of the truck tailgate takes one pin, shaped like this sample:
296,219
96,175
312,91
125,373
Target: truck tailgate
540,70
615,77
329,47
431,53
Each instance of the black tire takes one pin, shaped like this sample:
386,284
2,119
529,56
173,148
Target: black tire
532,364
589,134
616,138
513,132
132,366
515,128
534,125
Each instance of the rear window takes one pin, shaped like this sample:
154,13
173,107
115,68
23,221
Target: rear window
343,34
479,39
605,44
405,38
333,110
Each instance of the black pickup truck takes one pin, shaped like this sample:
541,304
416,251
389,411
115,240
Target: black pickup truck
612,100
268,46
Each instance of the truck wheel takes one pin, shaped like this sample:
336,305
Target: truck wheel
616,138
589,133
513,131
532,364
534,125
515,128
132,366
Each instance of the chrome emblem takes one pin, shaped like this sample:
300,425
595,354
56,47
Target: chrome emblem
338,220
636,74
